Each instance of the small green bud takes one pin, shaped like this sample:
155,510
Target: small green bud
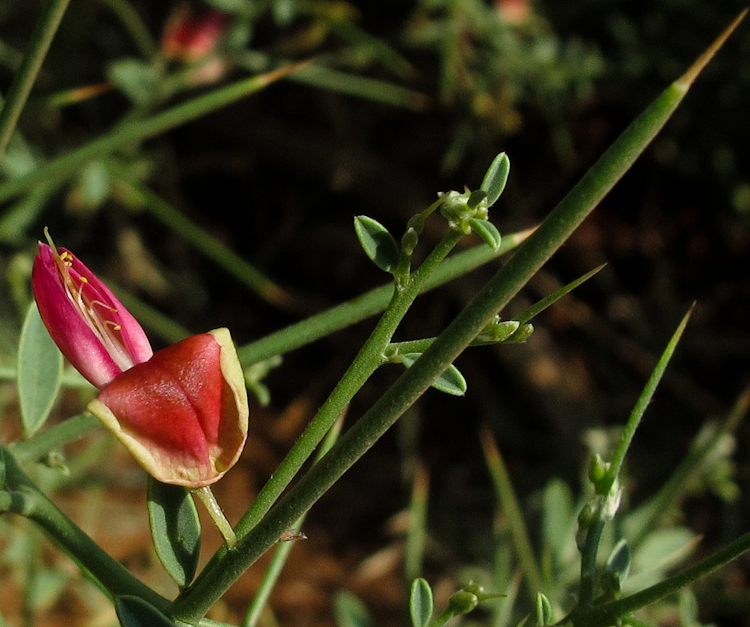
409,240
462,602
522,334
597,469
543,610
587,515
459,208
474,588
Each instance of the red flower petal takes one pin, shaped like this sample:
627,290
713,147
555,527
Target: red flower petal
182,414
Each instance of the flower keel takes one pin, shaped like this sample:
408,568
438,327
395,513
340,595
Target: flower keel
183,414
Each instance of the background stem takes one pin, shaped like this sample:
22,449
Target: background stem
27,73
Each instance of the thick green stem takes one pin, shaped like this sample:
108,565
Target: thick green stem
32,62
281,554
28,501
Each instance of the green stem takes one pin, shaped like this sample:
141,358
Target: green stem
206,496
508,502
648,516
27,500
70,430
27,73
366,305
609,613
607,488
135,27
589,552
636,415
210,246
281,554
66,165
366,362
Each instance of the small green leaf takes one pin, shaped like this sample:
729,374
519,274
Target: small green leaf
377,242
133,611
495,178
522,334
420,603
40,366
137,79
487,232
451,381
618,565
349,611
543,611
475,198
175,529
92,187
558,521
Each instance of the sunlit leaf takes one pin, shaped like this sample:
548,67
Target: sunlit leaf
349,611
496,177
377,242
487,232
451,381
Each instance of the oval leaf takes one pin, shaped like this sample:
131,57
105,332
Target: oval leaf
543,611
175,529
618,563
420,603
349,611
133,611
377,242
40,366
495,178
487,232
135,78
451,381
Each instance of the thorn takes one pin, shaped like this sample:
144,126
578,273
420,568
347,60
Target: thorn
686,80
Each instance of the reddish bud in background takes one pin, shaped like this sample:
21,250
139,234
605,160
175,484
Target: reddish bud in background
514,11
84,318
192,34
183,414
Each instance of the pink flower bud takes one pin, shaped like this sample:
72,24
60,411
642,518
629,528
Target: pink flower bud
183,414
191,34
84,318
